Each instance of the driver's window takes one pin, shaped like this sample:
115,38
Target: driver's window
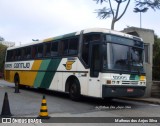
87,38
95,60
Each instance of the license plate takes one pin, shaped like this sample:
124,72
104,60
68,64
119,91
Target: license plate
130,90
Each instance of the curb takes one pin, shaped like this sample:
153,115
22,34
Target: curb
143,100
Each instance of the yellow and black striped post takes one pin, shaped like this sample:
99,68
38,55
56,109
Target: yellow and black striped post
44,110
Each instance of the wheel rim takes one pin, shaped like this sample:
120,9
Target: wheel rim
73,90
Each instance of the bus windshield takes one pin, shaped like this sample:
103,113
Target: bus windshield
123,58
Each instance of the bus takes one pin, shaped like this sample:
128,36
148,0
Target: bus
94,62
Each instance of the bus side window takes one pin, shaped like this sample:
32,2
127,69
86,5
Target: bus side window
85,47
23,53
28,52
47,49
18,54
73,46
64,46
9,55
40,50
34,52
13,55
54,49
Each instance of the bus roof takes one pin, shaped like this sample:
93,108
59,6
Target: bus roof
85,31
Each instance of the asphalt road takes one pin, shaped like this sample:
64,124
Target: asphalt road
28,103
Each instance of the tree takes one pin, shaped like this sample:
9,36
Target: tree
1,38
109,11
2,56
156,58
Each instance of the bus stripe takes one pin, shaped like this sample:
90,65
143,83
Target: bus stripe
47,79
63,71
32,75
40,75
60,37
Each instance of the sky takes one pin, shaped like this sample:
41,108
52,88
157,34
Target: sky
24,20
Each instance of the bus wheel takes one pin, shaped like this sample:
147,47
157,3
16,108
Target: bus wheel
74,90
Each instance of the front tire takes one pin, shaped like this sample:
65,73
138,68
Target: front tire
74,90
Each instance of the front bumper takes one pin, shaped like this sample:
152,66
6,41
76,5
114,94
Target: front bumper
122,91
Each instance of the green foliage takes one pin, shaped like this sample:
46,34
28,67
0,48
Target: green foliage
156,58
1,38
2,56
144,5
113,11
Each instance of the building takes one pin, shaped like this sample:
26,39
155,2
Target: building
8,44
148,37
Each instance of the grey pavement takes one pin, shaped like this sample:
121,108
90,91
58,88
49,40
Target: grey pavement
85,109
150,100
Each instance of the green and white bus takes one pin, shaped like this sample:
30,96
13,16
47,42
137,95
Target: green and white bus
94,62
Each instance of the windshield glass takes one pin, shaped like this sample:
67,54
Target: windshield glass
117,56
136,59
123,58
136,56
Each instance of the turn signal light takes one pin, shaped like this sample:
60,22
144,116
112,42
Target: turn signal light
108,81
142,78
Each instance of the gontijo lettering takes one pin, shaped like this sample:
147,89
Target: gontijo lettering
21,65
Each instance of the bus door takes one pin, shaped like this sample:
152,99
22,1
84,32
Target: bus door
94,88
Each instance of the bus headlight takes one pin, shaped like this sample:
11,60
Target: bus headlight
118,82
113,82
142,83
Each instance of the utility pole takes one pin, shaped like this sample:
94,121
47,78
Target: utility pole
140,18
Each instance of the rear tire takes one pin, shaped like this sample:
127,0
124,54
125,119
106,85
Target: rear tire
74,90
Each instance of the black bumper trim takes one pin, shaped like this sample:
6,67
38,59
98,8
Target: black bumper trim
122,91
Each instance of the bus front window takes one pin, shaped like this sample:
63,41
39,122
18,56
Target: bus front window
118,57
122,58
136,58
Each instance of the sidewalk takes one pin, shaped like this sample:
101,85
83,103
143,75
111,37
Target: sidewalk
147,100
